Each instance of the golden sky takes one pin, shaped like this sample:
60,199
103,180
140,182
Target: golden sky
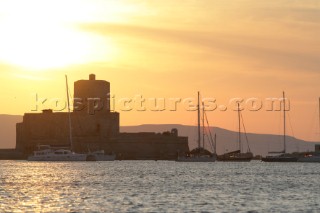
225,49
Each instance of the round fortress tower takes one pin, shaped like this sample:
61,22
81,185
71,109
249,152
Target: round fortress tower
91,96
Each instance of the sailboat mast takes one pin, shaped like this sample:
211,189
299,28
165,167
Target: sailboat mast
239,136
203,130
284,122
69,114
199,137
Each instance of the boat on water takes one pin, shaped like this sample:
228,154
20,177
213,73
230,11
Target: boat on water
46,153
238,155
282,156
314,157
100,155
199,154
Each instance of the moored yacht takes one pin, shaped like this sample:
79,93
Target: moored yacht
46,153
312,158
199,154
238,155
281,156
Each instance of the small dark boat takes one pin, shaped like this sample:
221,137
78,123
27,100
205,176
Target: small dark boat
199,154
281,156
236,156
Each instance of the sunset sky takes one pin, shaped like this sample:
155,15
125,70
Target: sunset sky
168,49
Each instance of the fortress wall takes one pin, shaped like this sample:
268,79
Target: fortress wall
144,146
94,127
53,129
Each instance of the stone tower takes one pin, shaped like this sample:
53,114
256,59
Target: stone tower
91,96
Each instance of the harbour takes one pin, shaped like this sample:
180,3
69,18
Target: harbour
159,186
92,127
160,106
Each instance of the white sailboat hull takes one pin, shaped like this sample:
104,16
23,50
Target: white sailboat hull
49,154
72,157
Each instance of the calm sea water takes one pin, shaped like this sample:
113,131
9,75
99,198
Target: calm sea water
159,186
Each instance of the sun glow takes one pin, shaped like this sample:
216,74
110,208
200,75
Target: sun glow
46,38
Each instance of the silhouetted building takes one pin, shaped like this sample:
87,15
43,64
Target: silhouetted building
95,127
91,96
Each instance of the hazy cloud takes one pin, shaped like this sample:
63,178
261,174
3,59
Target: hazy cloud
286,53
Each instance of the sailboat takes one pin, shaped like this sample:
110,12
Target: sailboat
281,156
199,154
238,155
312,157
47,153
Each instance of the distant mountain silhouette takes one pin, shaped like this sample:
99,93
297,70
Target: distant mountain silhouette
8,130
260,144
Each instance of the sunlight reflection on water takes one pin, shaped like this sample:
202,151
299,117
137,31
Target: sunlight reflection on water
162,186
